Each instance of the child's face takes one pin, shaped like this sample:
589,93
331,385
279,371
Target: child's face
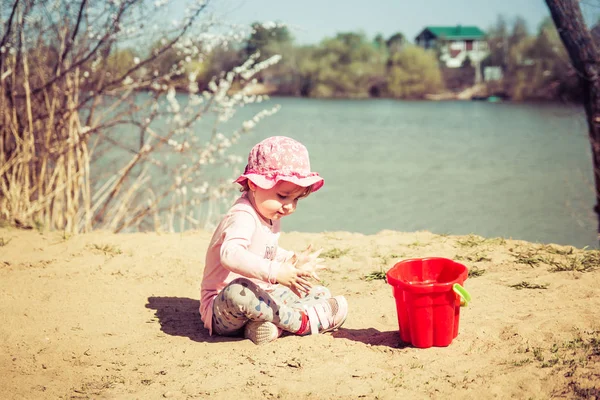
279,201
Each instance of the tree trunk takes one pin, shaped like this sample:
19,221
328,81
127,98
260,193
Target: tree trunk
584,55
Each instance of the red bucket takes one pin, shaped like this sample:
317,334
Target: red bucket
427,306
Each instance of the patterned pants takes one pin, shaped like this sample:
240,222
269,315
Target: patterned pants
242,300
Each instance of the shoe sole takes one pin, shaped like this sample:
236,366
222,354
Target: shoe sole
261,332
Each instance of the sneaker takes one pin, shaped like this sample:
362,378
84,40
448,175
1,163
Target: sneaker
261,332
327,315
315,295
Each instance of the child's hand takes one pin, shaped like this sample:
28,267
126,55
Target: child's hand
294,278
309,261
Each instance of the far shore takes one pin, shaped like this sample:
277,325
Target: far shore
475,92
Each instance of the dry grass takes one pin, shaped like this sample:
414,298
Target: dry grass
527,285
63,93
559,260
334,253
108,249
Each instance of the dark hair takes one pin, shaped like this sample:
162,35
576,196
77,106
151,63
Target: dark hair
245,186
308,191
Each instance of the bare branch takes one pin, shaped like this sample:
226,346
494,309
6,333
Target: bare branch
69,43
8,27
103,40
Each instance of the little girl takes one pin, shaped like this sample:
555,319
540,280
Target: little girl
249,282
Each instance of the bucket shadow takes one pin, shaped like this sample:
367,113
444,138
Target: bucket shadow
372,337
179,316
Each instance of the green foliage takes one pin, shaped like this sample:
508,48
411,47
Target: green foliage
379,42
519,31
165,62
395,43
343,66
271,40
119,62
350,65
412,73
535,67
540,64
268,40
217,61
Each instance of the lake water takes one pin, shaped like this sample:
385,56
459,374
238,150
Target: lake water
520,171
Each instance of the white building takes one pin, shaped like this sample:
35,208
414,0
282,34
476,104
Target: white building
455,44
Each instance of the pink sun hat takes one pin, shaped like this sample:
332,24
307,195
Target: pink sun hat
280,158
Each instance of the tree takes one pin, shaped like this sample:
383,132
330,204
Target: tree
585,57
395,43
379,41
497,37
344,66
267,39
413,73
519,31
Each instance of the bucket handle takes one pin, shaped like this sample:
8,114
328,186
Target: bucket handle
465,297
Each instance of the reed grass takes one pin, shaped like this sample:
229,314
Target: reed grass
61,95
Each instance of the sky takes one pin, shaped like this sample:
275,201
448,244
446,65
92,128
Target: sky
310,21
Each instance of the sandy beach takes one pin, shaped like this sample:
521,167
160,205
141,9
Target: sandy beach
104,316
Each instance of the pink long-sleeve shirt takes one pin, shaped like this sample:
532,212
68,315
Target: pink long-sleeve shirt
243,245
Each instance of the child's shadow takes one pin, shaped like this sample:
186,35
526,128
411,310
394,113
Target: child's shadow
372,337
179,316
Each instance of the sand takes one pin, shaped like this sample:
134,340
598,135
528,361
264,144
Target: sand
104,316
